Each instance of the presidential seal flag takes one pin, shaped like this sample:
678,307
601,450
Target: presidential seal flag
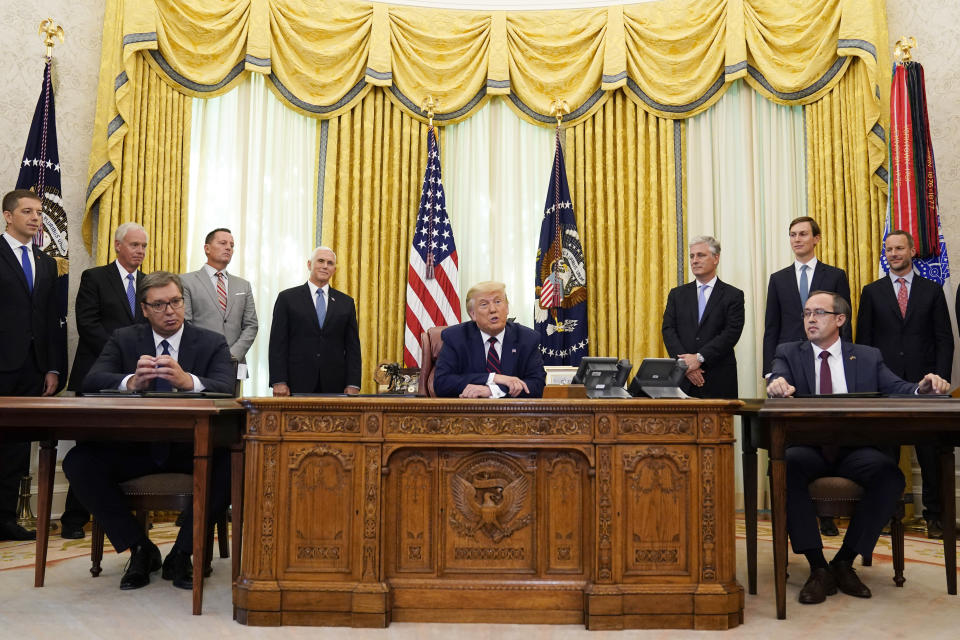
40,172
560,310
433,298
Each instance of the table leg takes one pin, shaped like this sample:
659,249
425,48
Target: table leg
750,504
949,517
778,500
203,448
48,458
236,499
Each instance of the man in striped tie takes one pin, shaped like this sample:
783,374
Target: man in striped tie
221,301
489,357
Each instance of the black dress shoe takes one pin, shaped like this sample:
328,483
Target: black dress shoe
71,530
10,530
828,527
144,560
934,529
178,568
818,586
847,579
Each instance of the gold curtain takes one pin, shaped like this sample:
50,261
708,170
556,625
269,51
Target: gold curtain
376,157
845,193
622,170
151,185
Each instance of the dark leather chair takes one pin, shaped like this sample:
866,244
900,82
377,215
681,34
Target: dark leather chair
430,343
160,492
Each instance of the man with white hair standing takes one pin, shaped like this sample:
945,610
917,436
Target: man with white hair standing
702,324
488,357
106,301
314,340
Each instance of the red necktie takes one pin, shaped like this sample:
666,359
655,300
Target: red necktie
902,296
221,292
830,452
493,360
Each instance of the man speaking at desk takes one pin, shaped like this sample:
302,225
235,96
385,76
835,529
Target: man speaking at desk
489,357
165,355
824,364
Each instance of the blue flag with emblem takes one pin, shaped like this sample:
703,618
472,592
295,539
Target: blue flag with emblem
560,310
40,172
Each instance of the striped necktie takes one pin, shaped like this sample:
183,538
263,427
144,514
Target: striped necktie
221,293
493,359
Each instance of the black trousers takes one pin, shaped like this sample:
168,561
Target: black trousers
95,471
15,456
930,474
872,469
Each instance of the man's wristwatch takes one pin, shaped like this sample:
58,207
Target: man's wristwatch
699,358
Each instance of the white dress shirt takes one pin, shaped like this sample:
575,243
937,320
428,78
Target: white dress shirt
907,278
835,361
326,294
495,390
173,343
711,285
15,245
124,273
212,274
798,269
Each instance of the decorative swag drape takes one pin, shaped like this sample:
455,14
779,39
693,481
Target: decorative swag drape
637,68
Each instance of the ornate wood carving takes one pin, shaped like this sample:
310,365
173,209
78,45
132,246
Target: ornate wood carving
268,509
564,513
488,425
605,514
656,426
708,427
298,455
726,426
708,515
415,504
371,511
603,425
271,424
318,423
373,424
253,422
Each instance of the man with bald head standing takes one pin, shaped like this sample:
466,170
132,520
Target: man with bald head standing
314,340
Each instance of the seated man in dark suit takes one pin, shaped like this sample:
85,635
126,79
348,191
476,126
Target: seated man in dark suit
489,357
164,355
824,364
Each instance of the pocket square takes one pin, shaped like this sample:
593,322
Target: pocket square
513,350
240,293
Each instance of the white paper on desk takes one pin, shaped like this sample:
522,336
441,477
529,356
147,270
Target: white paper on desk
241,371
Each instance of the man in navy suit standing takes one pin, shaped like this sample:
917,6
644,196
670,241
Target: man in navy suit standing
702,324
164,355
314,340
825,364
905,316
489,357
788,289
29,337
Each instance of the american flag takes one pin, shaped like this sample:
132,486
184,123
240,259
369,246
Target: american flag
432,294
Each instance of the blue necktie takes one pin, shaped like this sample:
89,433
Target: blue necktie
132,295
702,301
321,307
164,385
27,269
804,285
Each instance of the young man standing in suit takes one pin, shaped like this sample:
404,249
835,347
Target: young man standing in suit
106,301
314,340
905,316
825,364
30,341
788,289
164,355
218,301
702,323
489,357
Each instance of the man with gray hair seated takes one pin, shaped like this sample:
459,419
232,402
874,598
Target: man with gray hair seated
489,357
702,324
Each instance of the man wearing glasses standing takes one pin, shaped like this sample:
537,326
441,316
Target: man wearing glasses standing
164,355
825,364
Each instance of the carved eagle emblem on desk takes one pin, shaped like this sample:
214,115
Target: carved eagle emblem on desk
489,504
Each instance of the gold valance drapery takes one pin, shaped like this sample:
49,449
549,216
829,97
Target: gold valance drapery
673,58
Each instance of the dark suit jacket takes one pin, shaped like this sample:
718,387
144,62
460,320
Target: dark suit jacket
914,346
784,315
463,359
301,352
203,353
101,308
714,337
863,369
29,323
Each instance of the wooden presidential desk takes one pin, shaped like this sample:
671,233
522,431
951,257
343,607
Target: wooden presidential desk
775,423
613,514
206,422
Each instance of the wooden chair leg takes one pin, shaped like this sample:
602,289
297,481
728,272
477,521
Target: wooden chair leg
223,536
896,538
96,549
